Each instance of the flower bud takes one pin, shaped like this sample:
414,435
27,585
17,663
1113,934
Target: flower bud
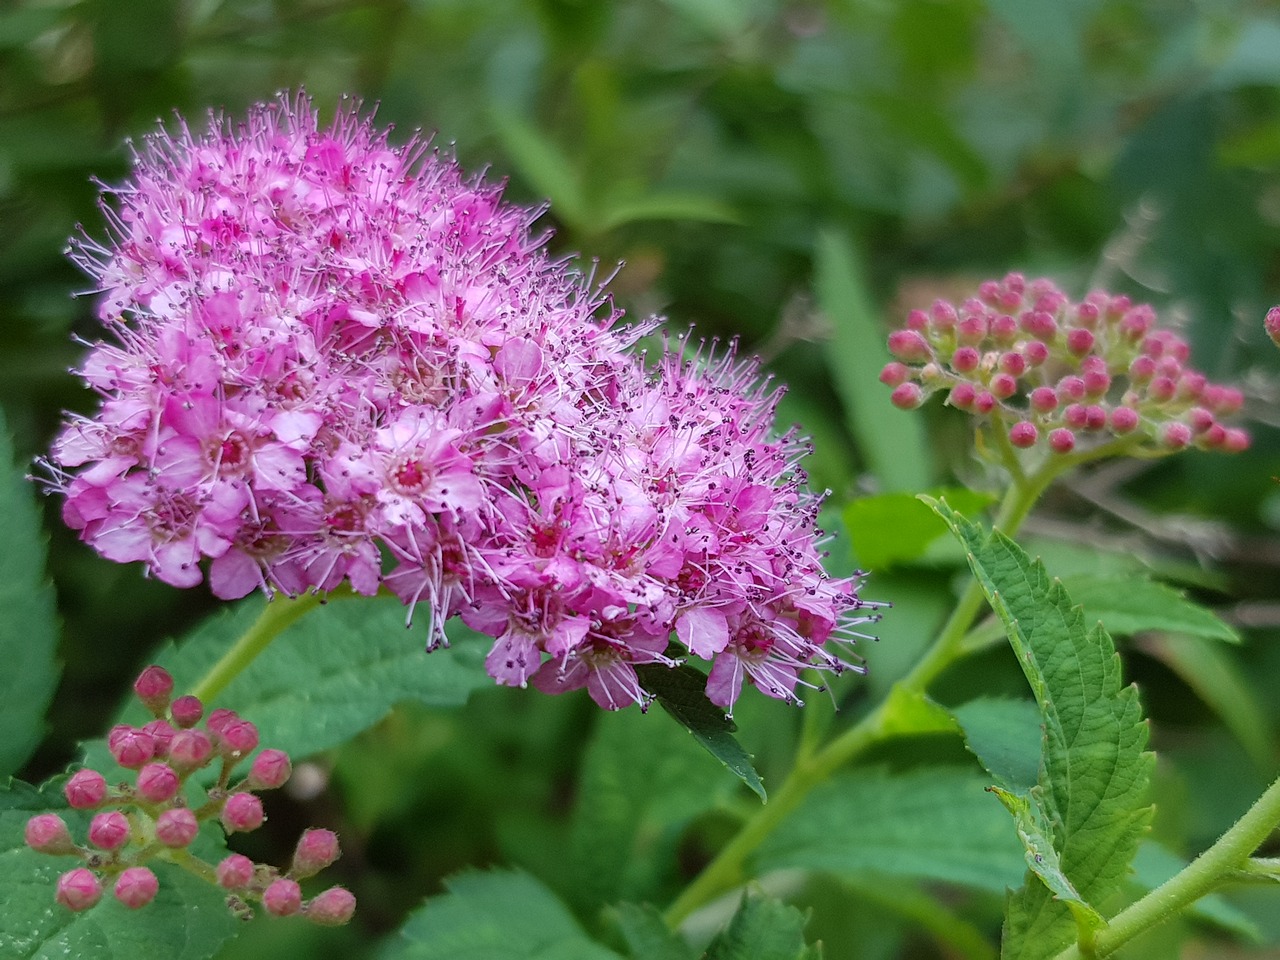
154,687
1043,400
316,850
909,346
1237,440
1161,389
1062,440
1071,389
961,396
86,790
78,889
157,782
220,718
1124,419
1023,434
242,813
186,711
1176,435
894,373
907,396
1013,363
109,831
130,746
1003,386
1004,330
190,749
176,828
283,897
1080,341
271,769
234,872
161,732
48,833
136,887
983,402
1142,369
1272,325
965,360
332,908
237,738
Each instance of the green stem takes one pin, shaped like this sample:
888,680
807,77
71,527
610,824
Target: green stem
813,767
279,613
1211,869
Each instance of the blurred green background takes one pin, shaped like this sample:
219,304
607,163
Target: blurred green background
796,174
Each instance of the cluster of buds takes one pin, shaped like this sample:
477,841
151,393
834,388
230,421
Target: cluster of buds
152,818
1074,376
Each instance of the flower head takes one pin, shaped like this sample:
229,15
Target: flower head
1071,376
331,359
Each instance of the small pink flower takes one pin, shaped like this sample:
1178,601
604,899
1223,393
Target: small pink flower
154,687
189,750
316,850
283,897
131,746
242,813
47,833
109,831
331,908
176,828
86,789
78,889
186,711
136,887
271,769
234,872
157,782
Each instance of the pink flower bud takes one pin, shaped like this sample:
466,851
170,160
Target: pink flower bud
157,782
316,850
48,833
1191,385
983,402
894,373
907,396
177,827
1074,416
917,320
271,769
1272,325
283,897
1161,389
1136,321
130,746
1087,316
220,718
161,732
109,831
1071,389
1003,386
1004,330
989,291
1043,400
1040,324
1013,363
1199,419
943,315
1062,440
961,396
1142,369
78,889
909,346
1213,438
1079,341
1124,419
186,711
1096,383
237,738
1095,417
1237,440
154,687
1223,401
242,813
332,908
972,329
1176,435
86,790
234,872
190,749
965,360
136,887
1023,434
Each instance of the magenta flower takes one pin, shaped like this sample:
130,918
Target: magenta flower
332,360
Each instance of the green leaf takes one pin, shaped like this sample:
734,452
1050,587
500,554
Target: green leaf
935,823
763,929
1209,669
643,779
545,166
498,915
661,205
896,528
1133,605
187,921
333,673
682,693
28,622
1005,736
647,936
1095,769
891,440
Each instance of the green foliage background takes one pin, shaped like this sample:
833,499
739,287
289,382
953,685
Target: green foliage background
796,174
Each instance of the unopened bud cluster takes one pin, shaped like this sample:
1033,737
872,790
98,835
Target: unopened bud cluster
1071,376
151,818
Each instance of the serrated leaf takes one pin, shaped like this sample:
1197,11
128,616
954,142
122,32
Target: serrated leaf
647,936
763,929
498,915
1005,736
188,920
894,528
891,440
643,779
1095,769
682,693
333,673
28,621
928,823
1133,605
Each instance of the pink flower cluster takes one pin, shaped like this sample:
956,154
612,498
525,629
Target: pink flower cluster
152,818
1069,375
337,360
